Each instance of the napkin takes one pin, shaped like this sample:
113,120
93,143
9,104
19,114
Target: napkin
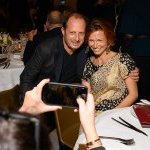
143,114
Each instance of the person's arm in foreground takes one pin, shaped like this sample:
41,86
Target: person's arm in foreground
33,103
133,93
87,118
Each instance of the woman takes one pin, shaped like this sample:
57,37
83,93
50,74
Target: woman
106,71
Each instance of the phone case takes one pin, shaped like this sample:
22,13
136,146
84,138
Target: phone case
64,94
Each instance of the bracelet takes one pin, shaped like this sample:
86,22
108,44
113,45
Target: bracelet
92,142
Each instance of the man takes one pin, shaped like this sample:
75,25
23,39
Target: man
52,28
58,58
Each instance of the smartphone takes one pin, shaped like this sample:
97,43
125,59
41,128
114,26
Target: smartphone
63,94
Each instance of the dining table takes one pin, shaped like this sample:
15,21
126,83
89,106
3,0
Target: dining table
10,72
106,126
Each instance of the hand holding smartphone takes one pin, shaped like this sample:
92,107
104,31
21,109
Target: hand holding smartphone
63,94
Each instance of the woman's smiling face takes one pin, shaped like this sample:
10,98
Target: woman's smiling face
98,42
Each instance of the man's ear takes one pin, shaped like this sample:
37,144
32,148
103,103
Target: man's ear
62,30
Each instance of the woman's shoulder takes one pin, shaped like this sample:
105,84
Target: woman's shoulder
125,57
124,54
127,60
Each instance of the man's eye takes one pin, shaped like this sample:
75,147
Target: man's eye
82,33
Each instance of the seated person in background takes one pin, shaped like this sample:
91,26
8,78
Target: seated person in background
106,73
52,28
31,34
24,132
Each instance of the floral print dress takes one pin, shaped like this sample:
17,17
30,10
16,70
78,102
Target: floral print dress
108,80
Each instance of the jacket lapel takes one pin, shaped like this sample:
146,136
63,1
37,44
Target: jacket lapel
58,60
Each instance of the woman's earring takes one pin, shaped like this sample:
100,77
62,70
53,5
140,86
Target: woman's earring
108,50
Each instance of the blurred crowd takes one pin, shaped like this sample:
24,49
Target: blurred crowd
23,15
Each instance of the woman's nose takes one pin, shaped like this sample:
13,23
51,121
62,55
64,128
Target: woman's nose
94,44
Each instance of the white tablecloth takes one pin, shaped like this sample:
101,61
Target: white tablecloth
106,126
11,76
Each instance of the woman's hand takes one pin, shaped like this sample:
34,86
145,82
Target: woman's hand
87,118
87,111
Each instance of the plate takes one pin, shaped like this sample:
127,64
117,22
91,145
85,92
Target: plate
17,62
15,56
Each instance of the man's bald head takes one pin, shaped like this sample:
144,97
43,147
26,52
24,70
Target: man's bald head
55,17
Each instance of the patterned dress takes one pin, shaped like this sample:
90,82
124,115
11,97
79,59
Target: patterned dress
108,80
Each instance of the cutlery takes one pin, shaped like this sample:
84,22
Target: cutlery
124,141
127,124
6,65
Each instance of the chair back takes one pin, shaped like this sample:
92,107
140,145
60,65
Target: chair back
9,99
67,123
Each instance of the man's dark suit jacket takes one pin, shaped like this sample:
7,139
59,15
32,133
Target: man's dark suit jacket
47,62
31,45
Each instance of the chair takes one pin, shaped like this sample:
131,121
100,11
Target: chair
67,124
9,99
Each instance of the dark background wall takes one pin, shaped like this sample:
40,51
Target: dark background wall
20,15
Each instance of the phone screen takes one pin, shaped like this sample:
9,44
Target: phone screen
63,94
